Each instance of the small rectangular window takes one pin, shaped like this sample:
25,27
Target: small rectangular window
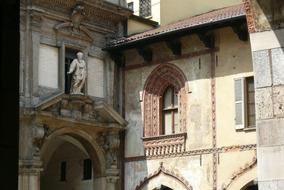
63,171
239,103
244,103
87,169
130,6
145,8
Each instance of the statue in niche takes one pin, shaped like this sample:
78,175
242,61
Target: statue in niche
79,70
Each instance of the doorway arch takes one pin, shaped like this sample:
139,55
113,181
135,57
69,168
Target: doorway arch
81,141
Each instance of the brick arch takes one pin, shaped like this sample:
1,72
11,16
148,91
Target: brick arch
166,172
160,78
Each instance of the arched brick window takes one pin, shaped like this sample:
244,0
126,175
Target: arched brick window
166,78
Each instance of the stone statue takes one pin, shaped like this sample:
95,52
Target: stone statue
79,70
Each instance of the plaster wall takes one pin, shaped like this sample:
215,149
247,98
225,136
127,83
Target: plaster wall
188,8
135,27
234,60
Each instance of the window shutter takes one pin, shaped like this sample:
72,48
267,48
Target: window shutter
239,104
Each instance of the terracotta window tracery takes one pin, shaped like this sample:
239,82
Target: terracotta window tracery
164,77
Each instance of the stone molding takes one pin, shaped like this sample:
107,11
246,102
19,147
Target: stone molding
94,9
160,78
165,144
225,149
240,172
162,170
30,167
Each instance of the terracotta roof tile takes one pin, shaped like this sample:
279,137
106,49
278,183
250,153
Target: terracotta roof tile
206,18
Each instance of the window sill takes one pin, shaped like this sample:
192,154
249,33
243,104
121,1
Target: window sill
164,144
247,129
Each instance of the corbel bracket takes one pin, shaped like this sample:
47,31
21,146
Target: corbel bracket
241,30
174,46
207,39
146,53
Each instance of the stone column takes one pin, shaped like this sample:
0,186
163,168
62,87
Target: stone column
29,174
112,178
266,26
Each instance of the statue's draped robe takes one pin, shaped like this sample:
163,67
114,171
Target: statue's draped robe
79,76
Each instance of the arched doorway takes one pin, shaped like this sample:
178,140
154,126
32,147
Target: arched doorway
72,160
251,186
162,187
69,167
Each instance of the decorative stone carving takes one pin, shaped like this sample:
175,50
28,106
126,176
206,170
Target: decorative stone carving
77,16
110,143
162,170
79,69
39,134
163,145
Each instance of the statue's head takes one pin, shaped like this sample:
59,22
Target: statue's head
80,55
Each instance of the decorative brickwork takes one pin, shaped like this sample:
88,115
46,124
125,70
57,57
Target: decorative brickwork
160,78
249,15
166,172
163,145
224,149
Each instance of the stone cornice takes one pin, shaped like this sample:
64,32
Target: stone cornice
96,9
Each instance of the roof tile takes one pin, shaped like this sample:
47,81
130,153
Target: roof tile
205,18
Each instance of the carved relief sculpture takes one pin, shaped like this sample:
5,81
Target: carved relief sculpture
79,70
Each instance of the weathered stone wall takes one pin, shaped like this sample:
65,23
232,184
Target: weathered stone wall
234,61
266,38
268,59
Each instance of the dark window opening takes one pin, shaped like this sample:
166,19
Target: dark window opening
145,8
250,102
130,6
87,169
63,171
70,55
170,111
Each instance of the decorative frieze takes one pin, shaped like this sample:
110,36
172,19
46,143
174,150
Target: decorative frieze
225,149
165,144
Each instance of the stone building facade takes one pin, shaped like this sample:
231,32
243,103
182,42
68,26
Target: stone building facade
69,141
184,105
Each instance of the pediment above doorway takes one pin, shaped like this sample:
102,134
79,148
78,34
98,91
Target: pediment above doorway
79,110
